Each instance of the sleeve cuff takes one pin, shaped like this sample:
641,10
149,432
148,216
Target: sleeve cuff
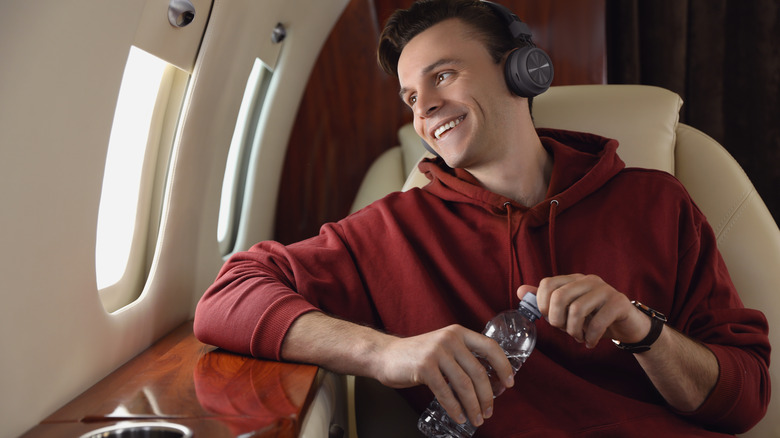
274,323
726,393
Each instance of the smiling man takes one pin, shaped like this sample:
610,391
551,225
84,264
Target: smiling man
400,290
465,111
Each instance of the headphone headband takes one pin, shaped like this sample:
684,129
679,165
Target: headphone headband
529,70
516,26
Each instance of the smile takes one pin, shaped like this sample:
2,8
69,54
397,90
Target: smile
447,126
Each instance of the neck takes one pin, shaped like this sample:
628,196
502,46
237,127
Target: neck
522,174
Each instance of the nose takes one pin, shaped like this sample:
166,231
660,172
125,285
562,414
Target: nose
428,103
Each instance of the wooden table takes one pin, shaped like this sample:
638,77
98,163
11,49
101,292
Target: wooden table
181,380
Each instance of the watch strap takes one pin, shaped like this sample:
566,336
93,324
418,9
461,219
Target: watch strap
657,320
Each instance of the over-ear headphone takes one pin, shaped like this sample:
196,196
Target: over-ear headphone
528,70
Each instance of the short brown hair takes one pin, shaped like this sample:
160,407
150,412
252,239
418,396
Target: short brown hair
405,24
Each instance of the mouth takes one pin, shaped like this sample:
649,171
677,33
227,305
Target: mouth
445,127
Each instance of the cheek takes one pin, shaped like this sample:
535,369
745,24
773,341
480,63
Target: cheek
418,127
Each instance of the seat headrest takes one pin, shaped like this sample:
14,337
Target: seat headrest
411,144
642,118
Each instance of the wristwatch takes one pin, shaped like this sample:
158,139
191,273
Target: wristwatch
657,321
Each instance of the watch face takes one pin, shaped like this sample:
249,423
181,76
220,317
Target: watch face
631,348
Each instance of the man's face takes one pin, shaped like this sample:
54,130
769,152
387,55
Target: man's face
457,92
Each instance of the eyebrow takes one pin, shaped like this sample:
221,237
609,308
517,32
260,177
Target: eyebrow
429,69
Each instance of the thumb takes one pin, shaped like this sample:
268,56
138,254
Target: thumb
524,289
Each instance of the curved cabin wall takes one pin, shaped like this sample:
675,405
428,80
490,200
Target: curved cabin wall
351,110
62,63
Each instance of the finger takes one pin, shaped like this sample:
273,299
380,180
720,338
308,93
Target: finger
485,356
494,360
607,315
546,289
430,362
448,400
472,388
558,293
493,374
585,297
525,289
580,314
468,393
593,307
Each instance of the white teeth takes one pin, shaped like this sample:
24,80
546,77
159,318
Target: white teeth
446,127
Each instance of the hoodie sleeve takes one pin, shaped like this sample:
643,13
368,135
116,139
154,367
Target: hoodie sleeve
713,313
260,292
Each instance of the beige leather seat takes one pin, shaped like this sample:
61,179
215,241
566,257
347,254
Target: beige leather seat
389,171
645,121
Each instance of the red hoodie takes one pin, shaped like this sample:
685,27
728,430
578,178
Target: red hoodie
453,252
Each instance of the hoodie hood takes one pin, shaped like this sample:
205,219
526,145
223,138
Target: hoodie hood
582,163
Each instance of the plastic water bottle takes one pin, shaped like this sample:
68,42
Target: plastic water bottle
515,332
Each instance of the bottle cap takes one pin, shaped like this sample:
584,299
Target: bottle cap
529,303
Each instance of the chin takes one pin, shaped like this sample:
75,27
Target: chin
454,161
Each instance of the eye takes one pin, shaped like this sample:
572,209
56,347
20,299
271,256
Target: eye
441,77
412,99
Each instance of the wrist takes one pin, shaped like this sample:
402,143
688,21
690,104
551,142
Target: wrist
334,344
371,352
656,322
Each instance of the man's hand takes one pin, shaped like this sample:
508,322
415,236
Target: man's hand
444,361
588,309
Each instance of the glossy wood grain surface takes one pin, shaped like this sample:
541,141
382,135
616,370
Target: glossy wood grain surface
179,379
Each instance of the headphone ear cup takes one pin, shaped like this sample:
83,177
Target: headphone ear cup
529,71
429,148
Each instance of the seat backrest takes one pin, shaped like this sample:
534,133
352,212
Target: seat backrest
644,120
748,237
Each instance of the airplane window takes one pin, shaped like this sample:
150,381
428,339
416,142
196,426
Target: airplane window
131,174
238,156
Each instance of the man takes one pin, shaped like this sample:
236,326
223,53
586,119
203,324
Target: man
399,290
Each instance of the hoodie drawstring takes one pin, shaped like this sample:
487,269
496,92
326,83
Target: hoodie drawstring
553,258
511,250
508,206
